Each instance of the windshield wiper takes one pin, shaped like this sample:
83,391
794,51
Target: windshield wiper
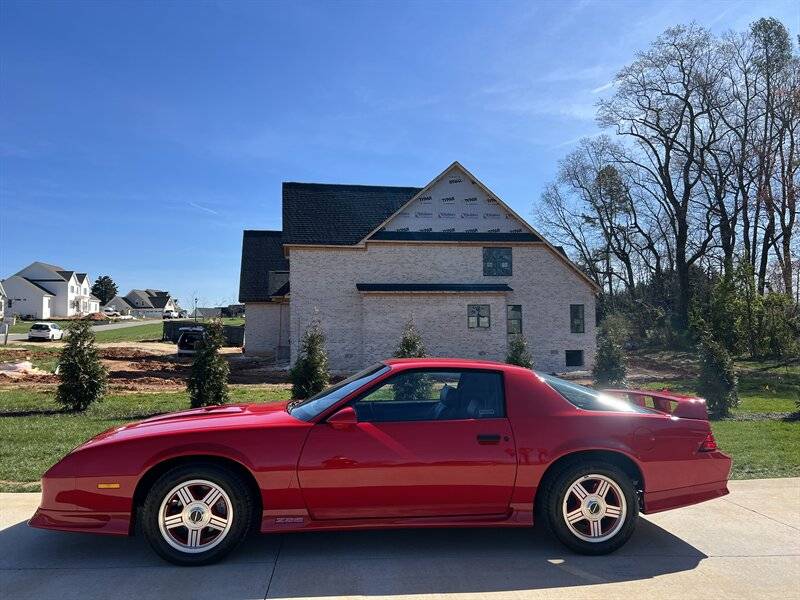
292,404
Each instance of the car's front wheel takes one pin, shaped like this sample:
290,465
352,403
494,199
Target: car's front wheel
195,515
591,508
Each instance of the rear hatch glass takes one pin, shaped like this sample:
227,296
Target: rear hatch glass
188,340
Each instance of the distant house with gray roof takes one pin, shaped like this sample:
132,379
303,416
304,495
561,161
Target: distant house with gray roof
44,291
148,303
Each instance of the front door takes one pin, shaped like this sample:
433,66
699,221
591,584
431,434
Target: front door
427,443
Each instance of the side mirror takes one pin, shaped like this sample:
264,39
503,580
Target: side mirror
343,418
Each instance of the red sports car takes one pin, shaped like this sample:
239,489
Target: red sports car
404,443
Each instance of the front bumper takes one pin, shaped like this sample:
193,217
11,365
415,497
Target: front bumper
76,504
81,521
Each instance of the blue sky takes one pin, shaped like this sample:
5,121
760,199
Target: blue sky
139,139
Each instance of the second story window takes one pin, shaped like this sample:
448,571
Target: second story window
576,320
497,262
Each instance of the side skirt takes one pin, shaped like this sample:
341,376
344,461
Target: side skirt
274,524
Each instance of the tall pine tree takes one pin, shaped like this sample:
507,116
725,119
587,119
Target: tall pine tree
104,288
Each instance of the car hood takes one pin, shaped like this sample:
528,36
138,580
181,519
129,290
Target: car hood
228,416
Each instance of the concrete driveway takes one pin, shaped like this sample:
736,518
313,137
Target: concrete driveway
16,337
746,545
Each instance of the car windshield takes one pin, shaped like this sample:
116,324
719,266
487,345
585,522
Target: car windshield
306,410
589,399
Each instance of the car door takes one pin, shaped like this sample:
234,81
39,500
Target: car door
427,443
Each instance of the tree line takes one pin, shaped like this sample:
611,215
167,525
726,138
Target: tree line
694,188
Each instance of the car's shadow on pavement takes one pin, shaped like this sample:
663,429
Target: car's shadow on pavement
43,564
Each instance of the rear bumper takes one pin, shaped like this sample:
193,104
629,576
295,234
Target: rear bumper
668,499
712,482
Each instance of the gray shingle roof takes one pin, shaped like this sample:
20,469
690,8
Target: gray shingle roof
262,252
139,299
159,301
41,287
121,300
321,213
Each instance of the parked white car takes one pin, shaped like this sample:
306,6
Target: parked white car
170,314
45,331
110,312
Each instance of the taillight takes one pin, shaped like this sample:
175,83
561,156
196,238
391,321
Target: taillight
709,444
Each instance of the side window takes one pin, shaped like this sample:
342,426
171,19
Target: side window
576,320
434,396
497,262
478,316
574,358
514,319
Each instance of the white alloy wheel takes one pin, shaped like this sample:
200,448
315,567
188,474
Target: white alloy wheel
195,516
594,508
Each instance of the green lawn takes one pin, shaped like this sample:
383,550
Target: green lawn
760,448
20,327
148,332
35,434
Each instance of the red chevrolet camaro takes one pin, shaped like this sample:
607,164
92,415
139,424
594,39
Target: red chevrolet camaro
404,443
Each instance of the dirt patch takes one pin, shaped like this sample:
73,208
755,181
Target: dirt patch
127,353
142,366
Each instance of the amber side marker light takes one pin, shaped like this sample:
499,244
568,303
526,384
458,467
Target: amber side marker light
107,486
709,444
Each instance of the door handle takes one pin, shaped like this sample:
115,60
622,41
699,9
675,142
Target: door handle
488,438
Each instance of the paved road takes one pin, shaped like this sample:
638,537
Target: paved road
746,545
14,337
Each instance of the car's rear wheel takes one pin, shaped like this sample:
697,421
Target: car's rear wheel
591,508
196,514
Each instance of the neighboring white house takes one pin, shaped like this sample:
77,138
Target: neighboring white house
146,304
3,299
44,291
452,256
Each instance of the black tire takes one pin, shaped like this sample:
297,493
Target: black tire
550,507
241,503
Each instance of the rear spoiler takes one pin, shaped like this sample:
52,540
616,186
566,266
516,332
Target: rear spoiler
664,401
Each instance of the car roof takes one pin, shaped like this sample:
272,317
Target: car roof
454,363
43,323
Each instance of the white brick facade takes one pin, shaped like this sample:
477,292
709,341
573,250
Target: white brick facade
362,328
267,328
